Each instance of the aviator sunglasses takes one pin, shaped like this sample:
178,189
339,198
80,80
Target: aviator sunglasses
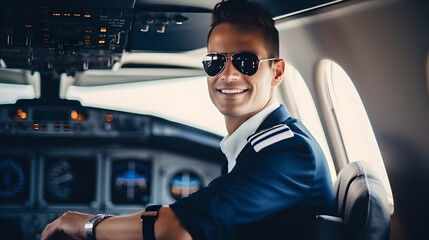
245,62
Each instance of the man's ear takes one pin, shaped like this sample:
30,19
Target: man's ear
278,72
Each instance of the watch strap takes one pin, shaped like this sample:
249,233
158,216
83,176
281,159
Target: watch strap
148,219
92,223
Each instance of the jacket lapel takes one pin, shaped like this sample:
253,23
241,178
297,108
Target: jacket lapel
280,115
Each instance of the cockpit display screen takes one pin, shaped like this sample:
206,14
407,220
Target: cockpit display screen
70,180
14,179
39,115
131,181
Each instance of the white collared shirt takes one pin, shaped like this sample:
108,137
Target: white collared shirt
232,145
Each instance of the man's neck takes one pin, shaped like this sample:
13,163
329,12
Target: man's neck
234,122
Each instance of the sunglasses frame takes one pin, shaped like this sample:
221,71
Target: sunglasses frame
259,60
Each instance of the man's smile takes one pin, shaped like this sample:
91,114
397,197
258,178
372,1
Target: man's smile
231,91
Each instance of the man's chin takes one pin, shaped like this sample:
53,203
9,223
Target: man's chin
231,112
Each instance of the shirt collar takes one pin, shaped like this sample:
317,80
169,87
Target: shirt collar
232,145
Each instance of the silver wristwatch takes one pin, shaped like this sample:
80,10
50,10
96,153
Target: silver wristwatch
90,225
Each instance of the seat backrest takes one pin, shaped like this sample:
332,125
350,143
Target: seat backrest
362,210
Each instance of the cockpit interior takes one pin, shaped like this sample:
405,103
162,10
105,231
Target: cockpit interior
60,151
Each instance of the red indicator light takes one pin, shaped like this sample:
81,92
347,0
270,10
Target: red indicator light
109,117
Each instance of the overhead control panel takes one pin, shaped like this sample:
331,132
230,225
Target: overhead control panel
62,37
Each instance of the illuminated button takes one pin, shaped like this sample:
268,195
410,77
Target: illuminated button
36,127
109,117
87,15
74,115
22,114
103,29
56,14
101,41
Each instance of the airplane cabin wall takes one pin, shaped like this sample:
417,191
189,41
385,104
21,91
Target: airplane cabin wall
383,46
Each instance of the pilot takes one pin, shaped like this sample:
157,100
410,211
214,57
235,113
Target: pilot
275,179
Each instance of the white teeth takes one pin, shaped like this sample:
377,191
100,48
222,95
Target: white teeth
231,91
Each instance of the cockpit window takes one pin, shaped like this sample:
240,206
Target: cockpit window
184,100
9,93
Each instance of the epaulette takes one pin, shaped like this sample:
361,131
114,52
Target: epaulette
267,137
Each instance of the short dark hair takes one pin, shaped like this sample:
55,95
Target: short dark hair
247,13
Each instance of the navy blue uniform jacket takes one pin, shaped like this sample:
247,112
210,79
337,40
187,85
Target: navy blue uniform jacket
279,184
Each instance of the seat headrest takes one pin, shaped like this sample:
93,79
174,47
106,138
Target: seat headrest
362,202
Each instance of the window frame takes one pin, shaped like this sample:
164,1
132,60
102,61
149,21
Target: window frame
325,92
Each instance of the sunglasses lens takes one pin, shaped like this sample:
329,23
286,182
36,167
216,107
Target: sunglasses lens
214,64
246,63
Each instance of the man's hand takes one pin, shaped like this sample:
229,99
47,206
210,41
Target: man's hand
69,226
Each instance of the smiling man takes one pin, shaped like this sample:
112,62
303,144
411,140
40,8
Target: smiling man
237,95
275,179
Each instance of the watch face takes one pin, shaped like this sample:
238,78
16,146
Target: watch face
184,183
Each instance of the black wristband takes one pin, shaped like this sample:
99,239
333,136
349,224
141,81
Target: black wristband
148,218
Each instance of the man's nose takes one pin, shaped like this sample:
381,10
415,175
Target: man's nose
229,72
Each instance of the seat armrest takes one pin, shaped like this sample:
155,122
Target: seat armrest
328,228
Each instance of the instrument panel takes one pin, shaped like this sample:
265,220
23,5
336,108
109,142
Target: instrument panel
39,185
115,178
70,157
63,37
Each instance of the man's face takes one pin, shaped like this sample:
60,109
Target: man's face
237,95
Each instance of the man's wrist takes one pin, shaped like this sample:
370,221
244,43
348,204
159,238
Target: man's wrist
92,223
148,218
